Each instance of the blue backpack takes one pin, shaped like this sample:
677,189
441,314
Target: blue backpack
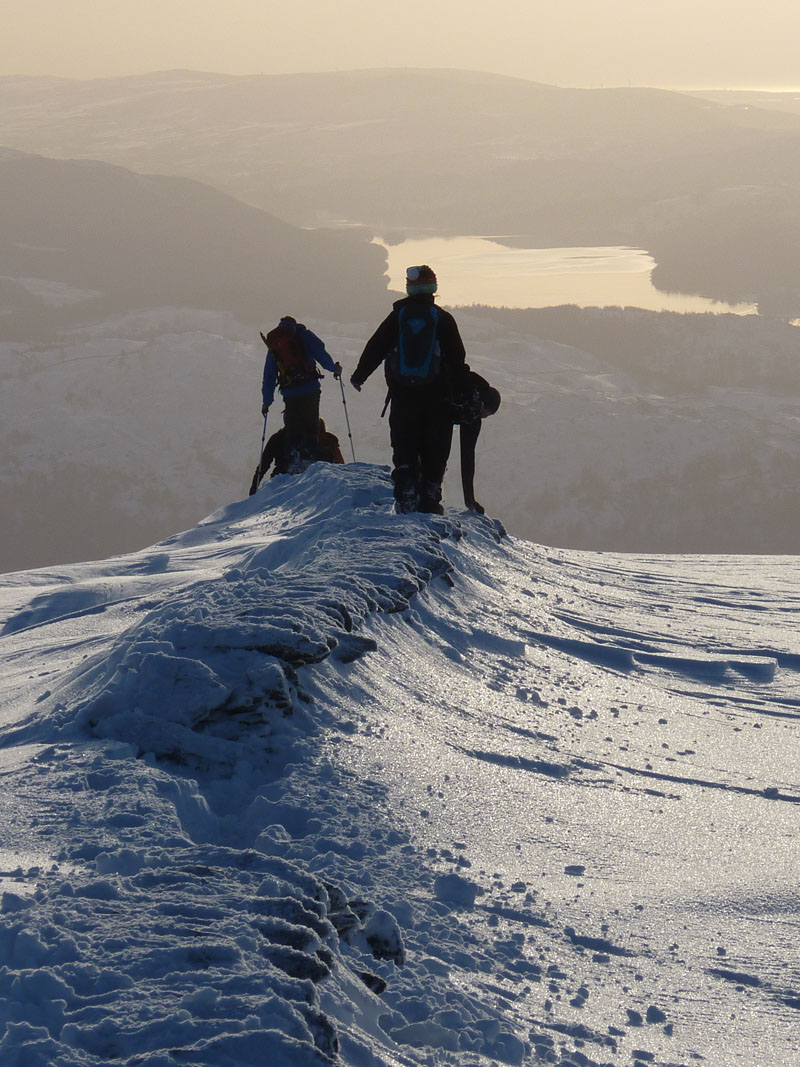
417,359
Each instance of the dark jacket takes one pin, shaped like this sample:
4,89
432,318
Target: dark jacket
385,338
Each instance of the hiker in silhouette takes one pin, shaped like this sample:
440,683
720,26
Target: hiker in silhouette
328,447
470,405
293,356
276,452
424,359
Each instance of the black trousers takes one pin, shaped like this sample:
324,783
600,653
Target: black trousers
301,423
421,432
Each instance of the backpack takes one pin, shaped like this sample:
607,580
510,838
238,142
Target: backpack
295,366
417,359
465,405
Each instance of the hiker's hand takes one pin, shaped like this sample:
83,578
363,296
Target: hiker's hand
337,371
356,384
264,409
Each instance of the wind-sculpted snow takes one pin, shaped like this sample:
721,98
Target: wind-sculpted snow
315,783
226,651
217,951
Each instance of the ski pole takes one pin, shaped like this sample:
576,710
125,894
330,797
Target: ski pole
347,420
257,475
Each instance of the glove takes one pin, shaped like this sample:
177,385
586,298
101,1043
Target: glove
337,371
356,384
264,409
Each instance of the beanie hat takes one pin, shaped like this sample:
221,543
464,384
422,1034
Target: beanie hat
420,280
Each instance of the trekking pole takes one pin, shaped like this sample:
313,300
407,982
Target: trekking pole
347,420
257,475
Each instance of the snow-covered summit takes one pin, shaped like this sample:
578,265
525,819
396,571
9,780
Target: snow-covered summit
316,783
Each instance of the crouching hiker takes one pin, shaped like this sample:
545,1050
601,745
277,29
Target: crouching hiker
328,447
424,359
293,356
276,452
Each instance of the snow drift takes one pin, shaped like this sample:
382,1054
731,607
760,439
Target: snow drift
315,783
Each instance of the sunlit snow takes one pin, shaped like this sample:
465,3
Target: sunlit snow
315,783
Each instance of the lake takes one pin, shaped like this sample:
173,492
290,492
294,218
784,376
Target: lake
479,270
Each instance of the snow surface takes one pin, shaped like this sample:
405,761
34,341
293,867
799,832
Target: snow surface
314,783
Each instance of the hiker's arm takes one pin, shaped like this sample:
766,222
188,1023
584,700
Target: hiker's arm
376,350
270,453
315,348
452,345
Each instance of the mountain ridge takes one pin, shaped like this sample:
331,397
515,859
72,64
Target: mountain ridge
638,166
316,783
161,240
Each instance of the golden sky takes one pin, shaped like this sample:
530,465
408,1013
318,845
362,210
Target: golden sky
668,43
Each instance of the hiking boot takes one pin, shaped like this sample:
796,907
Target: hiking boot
430,507
406,495
430,499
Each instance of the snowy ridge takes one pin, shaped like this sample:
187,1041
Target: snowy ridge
315,783
229,943
225,650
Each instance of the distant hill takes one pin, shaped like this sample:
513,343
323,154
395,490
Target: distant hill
779,100
461,152
81,237
311,147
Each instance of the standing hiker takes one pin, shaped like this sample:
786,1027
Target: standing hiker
478,400
293,353
424,360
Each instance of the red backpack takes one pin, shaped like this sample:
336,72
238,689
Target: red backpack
295,367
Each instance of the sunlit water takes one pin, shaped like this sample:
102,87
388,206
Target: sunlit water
478,270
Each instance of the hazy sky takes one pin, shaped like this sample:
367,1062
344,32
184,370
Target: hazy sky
670,43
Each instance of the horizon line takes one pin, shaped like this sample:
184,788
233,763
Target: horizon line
592,86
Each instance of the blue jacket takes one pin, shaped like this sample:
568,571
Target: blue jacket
314,349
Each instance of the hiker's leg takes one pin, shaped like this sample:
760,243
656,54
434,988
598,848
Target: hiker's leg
437,439
404,430
468,438
301,420
309,431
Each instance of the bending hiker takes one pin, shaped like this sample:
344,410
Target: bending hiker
293,353
424,359
477,401
328,448
275,451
